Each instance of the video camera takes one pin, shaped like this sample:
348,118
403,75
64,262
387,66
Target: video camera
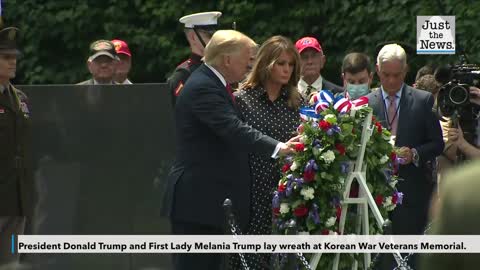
453,98
454,95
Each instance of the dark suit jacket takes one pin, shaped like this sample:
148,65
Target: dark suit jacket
331,86
211,154
417,128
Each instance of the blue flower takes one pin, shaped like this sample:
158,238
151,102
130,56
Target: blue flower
335,201
388,175
316,143
276,200
313,214
344,167
311,166
399,196
299,182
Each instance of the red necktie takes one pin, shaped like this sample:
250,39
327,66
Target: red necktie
229,90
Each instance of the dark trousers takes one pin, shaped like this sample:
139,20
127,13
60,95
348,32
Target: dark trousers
9,226
189,261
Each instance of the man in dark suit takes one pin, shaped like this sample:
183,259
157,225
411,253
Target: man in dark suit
407,113
313,59
212,147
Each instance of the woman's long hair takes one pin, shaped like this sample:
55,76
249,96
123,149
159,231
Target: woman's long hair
266,57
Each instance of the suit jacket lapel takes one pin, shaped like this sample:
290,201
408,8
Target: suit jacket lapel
404,115
379,107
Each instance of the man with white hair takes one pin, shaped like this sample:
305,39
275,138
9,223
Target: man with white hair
213,144
407,113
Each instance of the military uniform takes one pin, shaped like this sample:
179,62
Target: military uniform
16,184
16,174
181,74
205,22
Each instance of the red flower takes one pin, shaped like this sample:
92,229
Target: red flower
340,148
309,176
339,212
299,147
300,211
379,127
373,118
281,187
324,125
394,198
393,156
353,131
325,232
285,167
379,200
276,211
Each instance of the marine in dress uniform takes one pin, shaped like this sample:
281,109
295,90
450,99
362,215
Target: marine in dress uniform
16,178
199,28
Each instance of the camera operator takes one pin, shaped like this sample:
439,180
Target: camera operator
457,140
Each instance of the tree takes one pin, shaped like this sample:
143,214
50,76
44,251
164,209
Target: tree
56,34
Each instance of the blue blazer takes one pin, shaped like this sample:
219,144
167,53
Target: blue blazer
211,154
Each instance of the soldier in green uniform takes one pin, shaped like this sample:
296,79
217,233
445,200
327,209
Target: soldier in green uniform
199,28
16,178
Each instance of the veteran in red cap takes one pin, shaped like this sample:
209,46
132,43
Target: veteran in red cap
124,64
199,28
312,61
16,181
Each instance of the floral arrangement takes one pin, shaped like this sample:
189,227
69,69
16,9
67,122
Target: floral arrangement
312,184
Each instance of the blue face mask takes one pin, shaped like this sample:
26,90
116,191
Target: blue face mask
357,90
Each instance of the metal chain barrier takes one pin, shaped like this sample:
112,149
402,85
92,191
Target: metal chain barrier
304,262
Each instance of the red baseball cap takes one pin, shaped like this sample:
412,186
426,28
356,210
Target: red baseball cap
308,42
121,47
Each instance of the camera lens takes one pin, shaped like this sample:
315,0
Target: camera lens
458,95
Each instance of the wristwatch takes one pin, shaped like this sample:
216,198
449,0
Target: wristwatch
415,157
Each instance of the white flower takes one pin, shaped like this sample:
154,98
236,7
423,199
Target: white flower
284,209
328,156
388,201
307,193
332,233
294,166
384,159
330,222
392,140
330,118
393,183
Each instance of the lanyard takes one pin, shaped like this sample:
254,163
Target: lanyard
385,111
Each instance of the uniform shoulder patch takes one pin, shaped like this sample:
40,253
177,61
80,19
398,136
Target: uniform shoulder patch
179,88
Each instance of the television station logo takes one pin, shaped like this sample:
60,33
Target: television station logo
436,34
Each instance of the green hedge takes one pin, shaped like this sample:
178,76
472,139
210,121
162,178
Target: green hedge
56,34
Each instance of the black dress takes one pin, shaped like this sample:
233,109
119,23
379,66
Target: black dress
280,122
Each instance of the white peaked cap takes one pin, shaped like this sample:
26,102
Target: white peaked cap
201,19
